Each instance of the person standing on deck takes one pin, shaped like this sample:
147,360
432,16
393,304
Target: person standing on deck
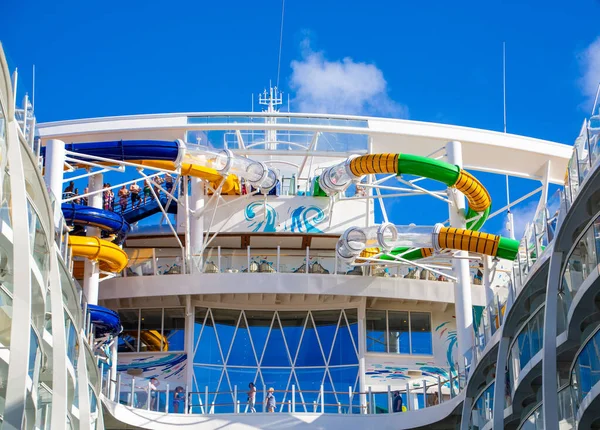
251,397
270,400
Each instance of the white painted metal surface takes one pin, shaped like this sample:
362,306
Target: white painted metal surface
482,149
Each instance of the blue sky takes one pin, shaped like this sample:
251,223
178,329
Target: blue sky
440,61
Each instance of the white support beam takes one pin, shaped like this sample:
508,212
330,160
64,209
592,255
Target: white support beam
91,269
462,286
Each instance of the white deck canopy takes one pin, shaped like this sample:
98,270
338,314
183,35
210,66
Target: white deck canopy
483,150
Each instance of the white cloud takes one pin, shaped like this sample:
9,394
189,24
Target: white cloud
522,216
343,86
590,63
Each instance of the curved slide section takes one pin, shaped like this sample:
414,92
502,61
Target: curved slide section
110,256
450,175
462,240
154,340
154,153
106,321
339,177
108,221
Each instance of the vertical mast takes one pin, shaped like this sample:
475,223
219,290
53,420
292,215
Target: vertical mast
504,80
272,100
510,224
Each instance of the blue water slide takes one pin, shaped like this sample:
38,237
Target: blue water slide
128,150
106,321
108,221
150,208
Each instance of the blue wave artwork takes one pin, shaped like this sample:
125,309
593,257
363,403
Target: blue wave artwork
451,339
266,222
162,367
304,219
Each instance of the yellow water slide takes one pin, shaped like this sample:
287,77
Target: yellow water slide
110,256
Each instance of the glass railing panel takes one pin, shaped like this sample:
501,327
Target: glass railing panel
582,261
483,409
586,369
6,312
154,395
566,409
528,342
594,133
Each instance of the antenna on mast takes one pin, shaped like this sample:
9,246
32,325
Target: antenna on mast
272,99
280,41
33,89
504,80
510,223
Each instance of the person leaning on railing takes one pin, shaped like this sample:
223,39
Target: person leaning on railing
178,400
397,402
153,392
147,192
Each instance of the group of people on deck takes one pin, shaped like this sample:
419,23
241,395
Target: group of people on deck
134,193
270,401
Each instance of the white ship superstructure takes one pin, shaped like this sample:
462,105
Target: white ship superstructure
215,250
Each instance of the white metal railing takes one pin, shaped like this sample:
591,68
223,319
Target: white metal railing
586,152
157,262
151,395
539,234
491,320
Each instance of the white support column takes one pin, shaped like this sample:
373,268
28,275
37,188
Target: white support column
113,368
460,266
488,279
500,383
91,271
549,363
186,221
370,210
20,332
466,414
189,343
84,392
362,348
54,172
196,225
59,348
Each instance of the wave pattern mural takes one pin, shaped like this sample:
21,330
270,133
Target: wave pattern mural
262,217
169,368
304,219
451,339
258,221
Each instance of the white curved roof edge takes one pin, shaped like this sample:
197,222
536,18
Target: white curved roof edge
483,150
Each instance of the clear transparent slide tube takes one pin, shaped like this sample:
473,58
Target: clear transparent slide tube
226,162
336,178
384,236
413,236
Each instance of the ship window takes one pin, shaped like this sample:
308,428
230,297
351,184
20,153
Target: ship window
129,338
275,349
150,330
376,331
398,332
420,333
174,328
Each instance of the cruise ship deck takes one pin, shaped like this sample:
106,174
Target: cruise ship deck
238,270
